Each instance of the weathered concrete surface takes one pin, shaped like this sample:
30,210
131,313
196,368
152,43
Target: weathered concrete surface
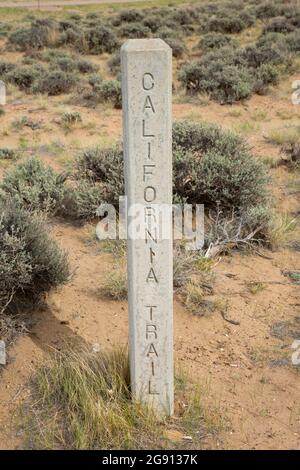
147,89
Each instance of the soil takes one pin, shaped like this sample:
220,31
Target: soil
245,368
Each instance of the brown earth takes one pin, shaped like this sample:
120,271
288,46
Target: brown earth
246,369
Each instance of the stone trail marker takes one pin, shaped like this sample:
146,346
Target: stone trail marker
147,128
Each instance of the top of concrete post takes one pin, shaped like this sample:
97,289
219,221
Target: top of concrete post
144,45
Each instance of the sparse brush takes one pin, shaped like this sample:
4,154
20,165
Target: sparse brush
54,82
284,136
255,287
292,151
192,295
34,186
82,200
31,263
104,166
279,229
8,154
115,284
69,119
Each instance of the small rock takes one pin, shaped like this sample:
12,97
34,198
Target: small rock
96,347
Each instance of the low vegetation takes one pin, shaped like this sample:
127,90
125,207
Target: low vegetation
31,263
82,400
33,186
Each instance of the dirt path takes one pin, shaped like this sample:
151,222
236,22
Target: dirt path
60,3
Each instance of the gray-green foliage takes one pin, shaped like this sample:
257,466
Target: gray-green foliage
213,166
8,154
31,262
54,83
34,186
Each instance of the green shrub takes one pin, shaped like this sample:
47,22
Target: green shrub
24,77
114,63
267,74
135,30
130,16
166,32
104,166
268,9
279,25
6,67
34,186
4,29
54,83
98,40
86,66
82,200
41,33
108,90
255,56
230,74
8,154
225,83
178,47
152,22
293,41
216,40
212,165
31,263
66,64
227,24
70,118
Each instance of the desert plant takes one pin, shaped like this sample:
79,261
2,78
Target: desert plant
103,166
227,24
82,200
24,77
178,47
34,186
212,165
70,118
115,284
292,151
215,40
6,67
130,16
86,66
97,40
107,90
41,33
8,154
31,263
135,30
221,73
114,63
54,83
279,25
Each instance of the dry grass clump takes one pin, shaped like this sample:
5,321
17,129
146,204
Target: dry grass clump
82,400
115,284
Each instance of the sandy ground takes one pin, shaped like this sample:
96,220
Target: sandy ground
247,371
